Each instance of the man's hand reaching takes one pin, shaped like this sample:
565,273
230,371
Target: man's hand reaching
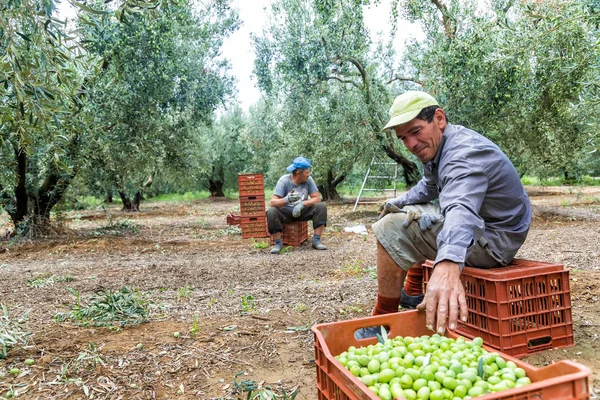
390,206
445,298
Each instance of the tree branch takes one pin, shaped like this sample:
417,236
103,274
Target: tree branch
448,28
361,69
337,78
406,79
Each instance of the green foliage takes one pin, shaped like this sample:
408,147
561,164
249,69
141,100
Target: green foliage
247,303
85,360
516,73
12,331
44,280
185,292
108,308
177,197
260,244
225,144
116,227
325,92
169,63
250,390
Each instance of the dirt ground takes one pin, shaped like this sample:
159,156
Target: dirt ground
238,309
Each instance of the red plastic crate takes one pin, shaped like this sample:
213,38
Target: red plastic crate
252,206
519,309
294,233
251,185
559,381
254,227
233,219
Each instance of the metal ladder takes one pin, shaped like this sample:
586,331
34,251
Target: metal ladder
369,176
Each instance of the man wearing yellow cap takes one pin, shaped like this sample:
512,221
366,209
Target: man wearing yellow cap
470,208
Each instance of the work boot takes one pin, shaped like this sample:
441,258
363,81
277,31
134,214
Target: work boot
317,245
277,248
369,332
410,302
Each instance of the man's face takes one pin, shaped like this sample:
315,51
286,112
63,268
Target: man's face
423,138
303,175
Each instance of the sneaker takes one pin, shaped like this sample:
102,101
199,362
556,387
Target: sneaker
317,245
368,332
410,302
277,248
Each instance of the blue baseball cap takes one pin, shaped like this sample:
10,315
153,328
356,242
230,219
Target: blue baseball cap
299,163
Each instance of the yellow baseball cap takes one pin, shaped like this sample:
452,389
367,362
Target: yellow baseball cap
407,106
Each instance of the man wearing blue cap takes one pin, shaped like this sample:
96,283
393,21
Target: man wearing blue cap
481,220
296,198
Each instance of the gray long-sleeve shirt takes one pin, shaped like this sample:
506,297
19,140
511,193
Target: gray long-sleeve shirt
480,194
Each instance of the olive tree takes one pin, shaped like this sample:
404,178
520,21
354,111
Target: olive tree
314,60
162,82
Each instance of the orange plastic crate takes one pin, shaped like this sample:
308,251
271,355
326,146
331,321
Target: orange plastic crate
519,309
252,206
254,227
294,233
559,381
233,219
251,185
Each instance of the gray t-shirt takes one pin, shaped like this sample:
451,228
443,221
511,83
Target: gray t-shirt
285,185
480,194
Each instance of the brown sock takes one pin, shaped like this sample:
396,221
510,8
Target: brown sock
413,286
386,305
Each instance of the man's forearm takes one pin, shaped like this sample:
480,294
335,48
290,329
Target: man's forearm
278,203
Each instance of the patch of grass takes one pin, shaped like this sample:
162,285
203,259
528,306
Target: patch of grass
231,230
108,308
250,390
87,202
351,309
247,303
202,223
300,307
187,196
116,228
12,331
354,268
86,360
286,249
585,180
44,280
185,292
260,244
195,326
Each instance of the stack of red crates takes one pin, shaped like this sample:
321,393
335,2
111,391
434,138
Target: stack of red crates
519,309
251,188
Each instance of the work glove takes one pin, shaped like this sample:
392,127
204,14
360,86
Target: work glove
292,197
297,210
390,206
425,220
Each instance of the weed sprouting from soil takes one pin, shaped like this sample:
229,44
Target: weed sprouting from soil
116,228
185,292
12,332
44,280
247,303
85,360
250,390
259,244
108,308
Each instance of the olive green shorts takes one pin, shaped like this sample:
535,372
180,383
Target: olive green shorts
409,246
